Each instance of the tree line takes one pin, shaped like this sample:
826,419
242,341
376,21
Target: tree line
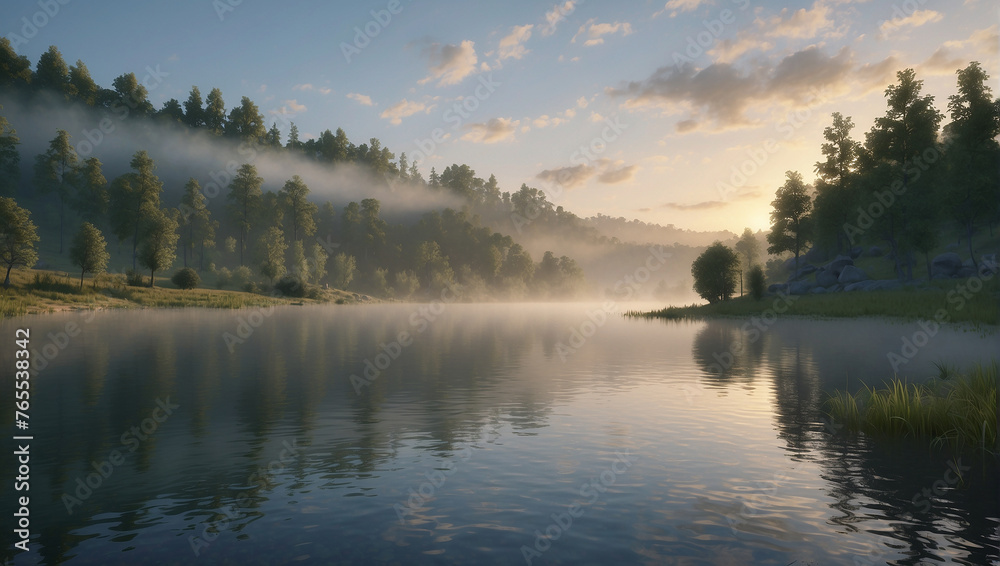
909,183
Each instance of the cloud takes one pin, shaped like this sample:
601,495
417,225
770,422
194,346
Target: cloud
404,108
712,204
801,24
596,117
362,99
594,32
512,46
303,86
942,62
914,20
291,107
557,14
450,64
582,102
679,6
567,177
720,95
613,176
493,131
984,41
545,121
728,50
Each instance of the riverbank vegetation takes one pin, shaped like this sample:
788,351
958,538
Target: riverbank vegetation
958,410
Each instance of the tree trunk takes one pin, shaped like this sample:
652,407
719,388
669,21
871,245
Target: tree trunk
62,215
6,281
968,236
927,258
152,281
82,271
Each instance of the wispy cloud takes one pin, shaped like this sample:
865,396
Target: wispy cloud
362,99
404,108
492,131
594,32
512,45
449,64
557,14
914,20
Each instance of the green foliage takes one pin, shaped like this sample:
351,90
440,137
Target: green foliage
756,282
197,229
960,410
291,286
836,189
134,200
133,278
91,199
301,212
405,284
186,278
223,278
715,273
342,270
271,250
18,237
159,244
245,201
790,222
10,159
55,172
89,251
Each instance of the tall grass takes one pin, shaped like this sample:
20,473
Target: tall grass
959,410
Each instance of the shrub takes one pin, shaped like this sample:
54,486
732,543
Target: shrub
134,278
291,286
186,278
223,278
242,277
756,282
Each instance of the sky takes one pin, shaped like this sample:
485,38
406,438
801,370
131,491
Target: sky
687,112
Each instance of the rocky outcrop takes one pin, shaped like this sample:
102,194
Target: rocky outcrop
825,277
946,265
851,274
838,264
799,287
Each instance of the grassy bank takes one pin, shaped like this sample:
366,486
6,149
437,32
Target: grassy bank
41,291
908,303
959,410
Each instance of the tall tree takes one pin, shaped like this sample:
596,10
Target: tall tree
749,250
896,141
975,180
91,199
18,236
271,250
790,226
301,212
89,251
373,225
246,123
215,112
293,138
10,158
835,188
197,228
83,84
245,199
194,114
130,92
15,70
134,198
52,73
172,111
55,173
159,243
273,137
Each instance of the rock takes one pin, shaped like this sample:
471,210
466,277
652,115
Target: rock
778,288
825,278
856,252
805,270
815,255
885,285
817,290
861,286
851,274
965,272
838,264
836,288
945,265
875,251
799,287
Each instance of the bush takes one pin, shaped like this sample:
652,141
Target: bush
715,273
290,286
134,279
242,277
756,282
186,278
223,278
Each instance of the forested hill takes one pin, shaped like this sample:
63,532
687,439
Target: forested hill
241,198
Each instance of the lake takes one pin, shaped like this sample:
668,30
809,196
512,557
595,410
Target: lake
485,434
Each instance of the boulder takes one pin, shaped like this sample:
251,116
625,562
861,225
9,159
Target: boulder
815,254
861,286
945,265
799,287
838,264
817,290
875,251
803,271
851,274
856,252
778,288
965,272
825,278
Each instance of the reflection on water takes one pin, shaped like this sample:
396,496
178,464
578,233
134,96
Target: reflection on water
325,438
